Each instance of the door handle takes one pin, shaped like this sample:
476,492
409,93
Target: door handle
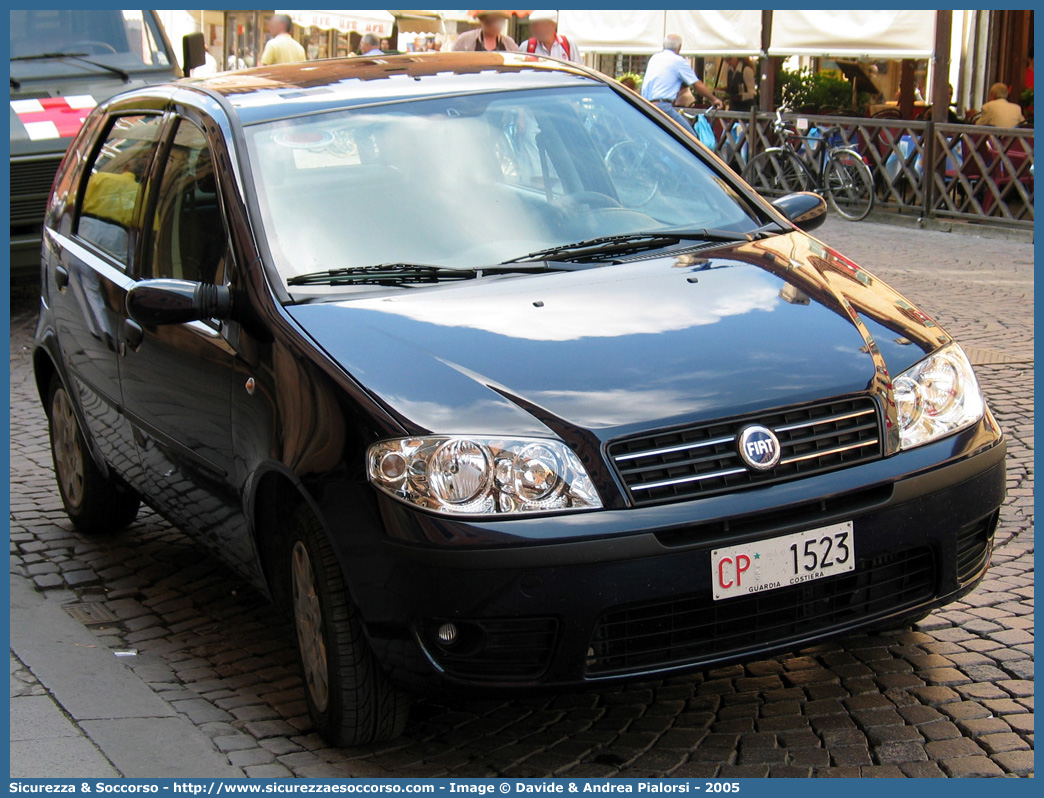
133,335
61,277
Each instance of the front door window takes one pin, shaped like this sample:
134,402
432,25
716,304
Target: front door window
189,239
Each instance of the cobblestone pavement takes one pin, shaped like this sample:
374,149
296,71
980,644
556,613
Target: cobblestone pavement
951,697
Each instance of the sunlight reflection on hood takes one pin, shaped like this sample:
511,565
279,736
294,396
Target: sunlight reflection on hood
638,304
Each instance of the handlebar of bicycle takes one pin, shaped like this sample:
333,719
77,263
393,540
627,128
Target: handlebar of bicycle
780,126
694,112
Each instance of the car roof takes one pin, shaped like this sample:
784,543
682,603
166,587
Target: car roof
288,90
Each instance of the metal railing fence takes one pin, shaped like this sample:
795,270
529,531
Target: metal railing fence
942,171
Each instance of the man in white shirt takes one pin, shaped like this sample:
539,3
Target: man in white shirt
546,40
368,46
999,112
665,75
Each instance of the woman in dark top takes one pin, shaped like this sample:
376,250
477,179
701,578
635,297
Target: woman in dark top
741,85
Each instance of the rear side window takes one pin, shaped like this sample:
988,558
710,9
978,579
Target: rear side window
115,184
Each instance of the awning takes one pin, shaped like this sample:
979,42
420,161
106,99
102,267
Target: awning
376,22
853,34
509,13
702,32
419,21
613,31
457,16
716,32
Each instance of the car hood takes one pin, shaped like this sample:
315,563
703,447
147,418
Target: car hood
632,346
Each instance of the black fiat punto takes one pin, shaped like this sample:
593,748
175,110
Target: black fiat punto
496,379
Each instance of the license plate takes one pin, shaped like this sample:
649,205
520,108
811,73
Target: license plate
780,562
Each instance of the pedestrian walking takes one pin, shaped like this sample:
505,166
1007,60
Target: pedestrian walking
546,40
667,73
488,38
741,84
281,48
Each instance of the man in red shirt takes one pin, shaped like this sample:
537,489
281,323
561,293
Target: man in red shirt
546,40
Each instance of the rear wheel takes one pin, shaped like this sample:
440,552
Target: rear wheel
350,698
94,501
849,184
776,172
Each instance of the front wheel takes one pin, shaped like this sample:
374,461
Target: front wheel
350,699
94,501
849,184
776,172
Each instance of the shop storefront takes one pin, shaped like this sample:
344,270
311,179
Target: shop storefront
335,34
236,39
243,37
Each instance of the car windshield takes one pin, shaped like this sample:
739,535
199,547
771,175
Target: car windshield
123,39
476,180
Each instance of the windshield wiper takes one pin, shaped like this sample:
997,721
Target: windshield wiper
413,273
630,242
381,274
76,56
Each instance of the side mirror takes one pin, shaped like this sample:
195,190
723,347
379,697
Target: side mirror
152,303
193,52
805,209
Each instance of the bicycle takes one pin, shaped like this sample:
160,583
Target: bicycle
838,171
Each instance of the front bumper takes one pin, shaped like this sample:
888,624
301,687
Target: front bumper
614,606
25,256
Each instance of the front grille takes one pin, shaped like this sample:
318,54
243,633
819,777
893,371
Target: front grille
696,628
30,189
808,515
704,460
973,547
498,650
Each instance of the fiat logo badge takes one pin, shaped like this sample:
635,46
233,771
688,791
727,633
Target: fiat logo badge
759,447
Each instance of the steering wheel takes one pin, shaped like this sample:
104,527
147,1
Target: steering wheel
91,44
625,162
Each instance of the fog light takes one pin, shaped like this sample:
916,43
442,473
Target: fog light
448,633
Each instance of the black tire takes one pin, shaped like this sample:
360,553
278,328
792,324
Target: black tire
776,172
849,184
350,698
95,502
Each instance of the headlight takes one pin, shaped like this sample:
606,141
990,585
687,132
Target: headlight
937,397
482,475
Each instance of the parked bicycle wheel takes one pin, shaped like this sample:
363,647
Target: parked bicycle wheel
776,172
848,183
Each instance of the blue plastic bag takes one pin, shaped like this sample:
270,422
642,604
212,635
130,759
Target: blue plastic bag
705,132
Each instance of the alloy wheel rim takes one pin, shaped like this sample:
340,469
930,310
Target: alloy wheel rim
68,456
308,619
